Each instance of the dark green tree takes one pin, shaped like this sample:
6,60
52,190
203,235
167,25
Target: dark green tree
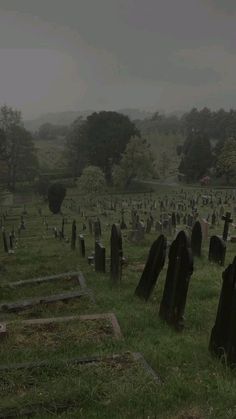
197,156
56,195
99,141
17,150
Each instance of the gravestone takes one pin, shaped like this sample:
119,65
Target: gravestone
116,253
227,221
205,229
73,235
97,230
196,239
180,269
100,257
82,245
223,335
217,250
5,245
153,267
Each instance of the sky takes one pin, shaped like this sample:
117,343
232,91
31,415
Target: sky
170,55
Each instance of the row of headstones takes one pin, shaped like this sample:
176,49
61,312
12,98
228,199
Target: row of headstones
180,268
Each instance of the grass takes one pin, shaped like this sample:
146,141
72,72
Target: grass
195,385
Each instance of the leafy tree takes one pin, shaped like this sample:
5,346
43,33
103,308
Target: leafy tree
56,195
226,161
99,141
164,164
17,150
137,161
92,181
197,157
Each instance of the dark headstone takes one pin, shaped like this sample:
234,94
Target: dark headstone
116,253
227,221
73,235
217,250
100,257
81,245
223,335
5,245
153,267
180,269
196,239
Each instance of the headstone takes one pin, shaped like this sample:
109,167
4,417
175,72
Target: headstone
217,250
82,245
5,245
223,335
180,269
73,235
97,230
227,221
116,253
196,239
205,229
153,267
100,257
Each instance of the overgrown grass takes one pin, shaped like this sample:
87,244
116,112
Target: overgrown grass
194,384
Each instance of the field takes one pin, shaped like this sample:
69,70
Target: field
192,383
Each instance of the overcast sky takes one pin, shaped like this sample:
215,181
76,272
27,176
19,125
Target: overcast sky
58,55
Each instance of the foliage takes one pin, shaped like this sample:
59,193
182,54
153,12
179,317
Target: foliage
226,161
137,161
48,131
92,180
41,187
99,141
56,195
197,156
164,164
17,150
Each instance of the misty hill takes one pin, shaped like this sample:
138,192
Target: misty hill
67,117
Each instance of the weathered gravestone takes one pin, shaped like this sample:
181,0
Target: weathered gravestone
97,230
223,335
100,257
217,250
5,245
116,253
153,267
180,269
82,245
73,235
196,239
227,221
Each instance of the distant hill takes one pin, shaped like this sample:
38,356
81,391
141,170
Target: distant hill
66,118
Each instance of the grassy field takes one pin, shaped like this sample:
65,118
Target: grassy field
194,385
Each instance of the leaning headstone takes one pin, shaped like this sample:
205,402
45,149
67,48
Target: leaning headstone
196,239
116,253
223,335
100,257
153,267
180,269
217,250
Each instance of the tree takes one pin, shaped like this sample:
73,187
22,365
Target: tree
137,161
226,161
17,150
99,141
56,195
197,157
164,164
92,181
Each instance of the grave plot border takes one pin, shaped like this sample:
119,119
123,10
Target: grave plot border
84,317
136,357
21,305
72,274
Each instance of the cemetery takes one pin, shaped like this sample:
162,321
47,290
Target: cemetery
134,291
